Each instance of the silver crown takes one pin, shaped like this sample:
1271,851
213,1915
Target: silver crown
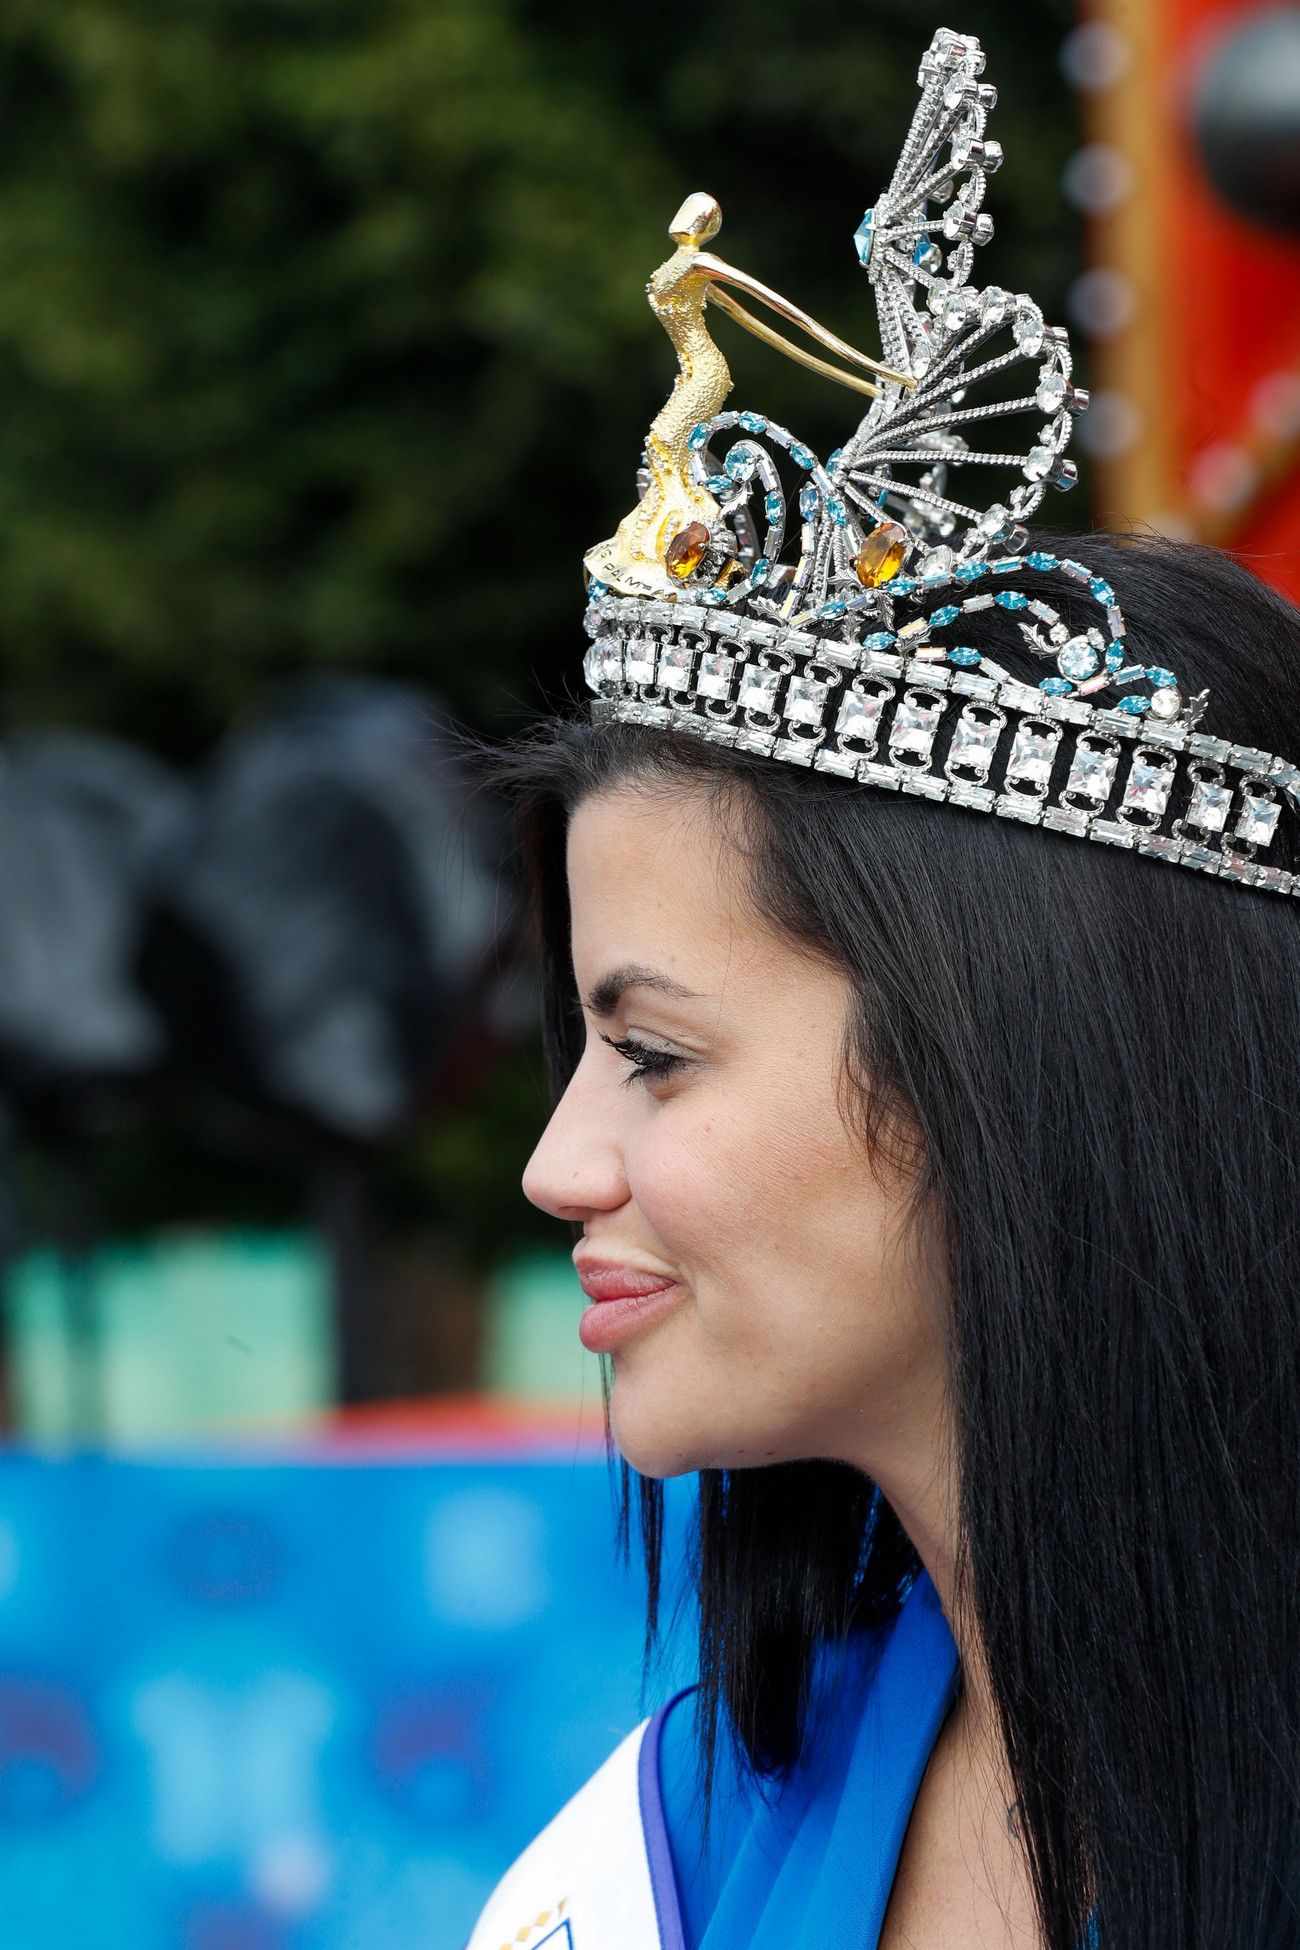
846,657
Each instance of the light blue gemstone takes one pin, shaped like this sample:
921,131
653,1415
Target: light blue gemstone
838,512
595,588
918,255
1135,705
963,654
1011,599
761,570
1006,568
865,236
719,484
739,464
800,455
1056,686
1114,656
808,502
968,572
903,586
832,609
1038,560
773,507
1077,659
697,435
879,640
714,596
833,458
1131,674
948,614
752,423
1101,590
1162,679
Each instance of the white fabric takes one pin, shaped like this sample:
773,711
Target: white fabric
584,1883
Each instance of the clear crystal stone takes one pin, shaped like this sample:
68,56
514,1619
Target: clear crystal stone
1257,820
1029,329
1147,786
914,727
994,305
758,688
957,310
805,701
860,715
1051,390
992,523
639,663
593,666
1166,702
1208,811
938,565
716,671
675,667
974,742
1092,772
1039,463
1031,757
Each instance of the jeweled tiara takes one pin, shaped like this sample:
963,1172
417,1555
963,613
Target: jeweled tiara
846,657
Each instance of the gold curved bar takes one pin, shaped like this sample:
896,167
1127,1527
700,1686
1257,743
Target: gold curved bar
720,272
725,302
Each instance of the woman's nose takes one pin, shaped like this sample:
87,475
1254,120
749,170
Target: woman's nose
577,1166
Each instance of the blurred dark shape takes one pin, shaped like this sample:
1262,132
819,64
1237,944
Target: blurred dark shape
319,933
80,817
1246,116
324,939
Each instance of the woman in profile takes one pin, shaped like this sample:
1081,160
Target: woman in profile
933,1182
957,1166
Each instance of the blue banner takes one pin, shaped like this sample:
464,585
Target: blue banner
299,1706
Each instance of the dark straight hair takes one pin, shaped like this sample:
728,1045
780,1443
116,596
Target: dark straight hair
1099,1054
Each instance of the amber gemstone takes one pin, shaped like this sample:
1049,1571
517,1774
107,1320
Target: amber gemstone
730,572
881,555
684,553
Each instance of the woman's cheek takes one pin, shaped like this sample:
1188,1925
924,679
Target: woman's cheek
680,1183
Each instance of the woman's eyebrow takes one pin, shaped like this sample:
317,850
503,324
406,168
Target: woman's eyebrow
606,994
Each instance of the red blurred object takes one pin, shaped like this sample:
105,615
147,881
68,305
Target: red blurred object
1207,368
446,1425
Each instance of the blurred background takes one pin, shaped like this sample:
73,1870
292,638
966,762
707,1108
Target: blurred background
324,353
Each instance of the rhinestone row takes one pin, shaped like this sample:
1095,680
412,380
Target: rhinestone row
875,716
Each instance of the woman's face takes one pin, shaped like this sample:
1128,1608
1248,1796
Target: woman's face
710,1156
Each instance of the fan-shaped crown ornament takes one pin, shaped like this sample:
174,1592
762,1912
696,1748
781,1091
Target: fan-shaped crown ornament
819,622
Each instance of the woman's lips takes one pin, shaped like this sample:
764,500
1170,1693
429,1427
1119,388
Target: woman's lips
603,1282
624,1301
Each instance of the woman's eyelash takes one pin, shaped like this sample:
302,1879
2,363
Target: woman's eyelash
646,1062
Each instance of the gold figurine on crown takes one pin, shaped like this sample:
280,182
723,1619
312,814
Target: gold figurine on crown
665,536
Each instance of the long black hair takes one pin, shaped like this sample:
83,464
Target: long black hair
1100,1055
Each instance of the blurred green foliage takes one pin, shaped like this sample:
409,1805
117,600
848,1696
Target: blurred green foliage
323,342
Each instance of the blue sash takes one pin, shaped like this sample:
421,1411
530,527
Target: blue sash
815,1863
